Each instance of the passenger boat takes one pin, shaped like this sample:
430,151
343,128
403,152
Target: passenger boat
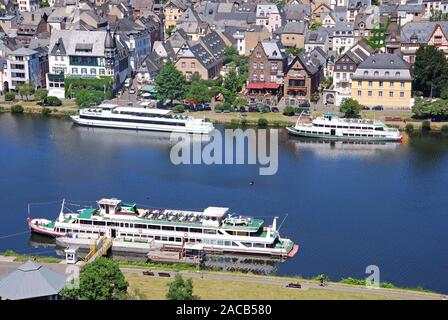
113,116
332,127
213,230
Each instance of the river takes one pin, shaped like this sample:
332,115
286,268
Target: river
347,205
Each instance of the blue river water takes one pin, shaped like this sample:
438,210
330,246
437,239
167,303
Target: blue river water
347,205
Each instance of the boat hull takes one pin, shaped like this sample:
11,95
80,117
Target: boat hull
294,132
35,228
134,126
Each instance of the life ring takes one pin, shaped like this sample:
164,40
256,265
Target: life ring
140,231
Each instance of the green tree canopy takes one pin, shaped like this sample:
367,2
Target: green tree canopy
425,108
430,71
350,107
232,82
41,94
26,89
85,98
170,83
99,280
198,90
181,289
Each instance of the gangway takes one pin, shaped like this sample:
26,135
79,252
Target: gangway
100,248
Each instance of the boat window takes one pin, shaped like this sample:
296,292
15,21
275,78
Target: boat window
247,244
168,228
379,129
196,230
210,231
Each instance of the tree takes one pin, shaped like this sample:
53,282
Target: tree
240,102
232,82
181,289
9,96
99,280
430,71
170,83
293,51
86,98
288,111
41,94
350,107
315,25
26,89
53,101
169,30
198,90
231,55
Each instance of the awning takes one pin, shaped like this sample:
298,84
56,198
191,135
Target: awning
263,86
149,88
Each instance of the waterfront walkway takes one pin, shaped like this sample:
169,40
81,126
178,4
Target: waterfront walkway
6,266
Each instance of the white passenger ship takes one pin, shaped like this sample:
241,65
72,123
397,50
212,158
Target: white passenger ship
212,230
113,116
332,127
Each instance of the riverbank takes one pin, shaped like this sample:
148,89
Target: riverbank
216,284
271,119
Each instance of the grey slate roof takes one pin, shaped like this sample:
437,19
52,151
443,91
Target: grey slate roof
292,27
384,61
31,280
72,39
421,30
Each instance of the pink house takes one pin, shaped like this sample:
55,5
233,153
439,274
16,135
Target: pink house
268,15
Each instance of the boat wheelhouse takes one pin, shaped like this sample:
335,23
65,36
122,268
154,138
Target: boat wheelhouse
332,127
113,116
211,230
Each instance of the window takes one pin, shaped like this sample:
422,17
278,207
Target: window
370,83
93,71
381,83
401,94
102,72
183,64
391,94
380,93
369,93
254,65
359,93
402,84
391,84
75,70
83,70
193,65
359,83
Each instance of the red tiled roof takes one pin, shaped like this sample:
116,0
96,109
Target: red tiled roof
263,86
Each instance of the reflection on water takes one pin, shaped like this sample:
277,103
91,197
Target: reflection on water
343,149
240,263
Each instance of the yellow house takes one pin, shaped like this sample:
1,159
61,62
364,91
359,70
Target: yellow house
172,11
383,79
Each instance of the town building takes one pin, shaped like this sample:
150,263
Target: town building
270,16
303,76
245,39
383,79
344,68
292,34
268,63
89,54
23,66
27,5
172,10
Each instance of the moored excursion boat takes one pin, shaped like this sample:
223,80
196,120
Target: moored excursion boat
113,116
332,127
211,230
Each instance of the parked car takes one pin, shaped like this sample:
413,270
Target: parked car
131,90
365,108
253,108
378,108
242,109
207,106
275,109
127,83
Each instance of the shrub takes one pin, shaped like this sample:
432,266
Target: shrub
53,101
276,123
179,108
240,102
219,106
426,125
409,127
41,94
17,108
235,122
288,111
244,122
46,111
9,96
262,122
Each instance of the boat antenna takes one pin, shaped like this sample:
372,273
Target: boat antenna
286,216
29,211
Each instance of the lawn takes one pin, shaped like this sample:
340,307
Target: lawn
155,288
